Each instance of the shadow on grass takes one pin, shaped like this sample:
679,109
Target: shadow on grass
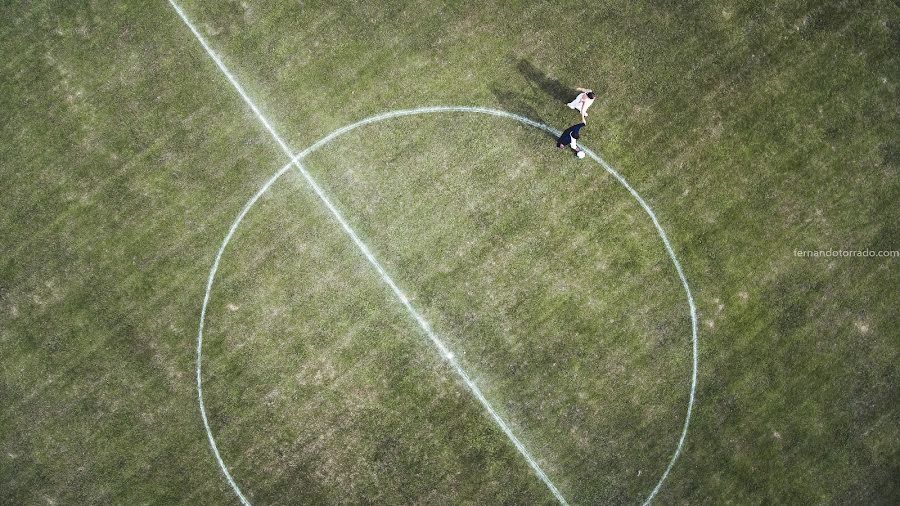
549,85
519,103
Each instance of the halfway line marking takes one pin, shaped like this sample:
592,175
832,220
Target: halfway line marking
448,356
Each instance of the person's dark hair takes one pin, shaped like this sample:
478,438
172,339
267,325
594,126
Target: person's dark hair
591,94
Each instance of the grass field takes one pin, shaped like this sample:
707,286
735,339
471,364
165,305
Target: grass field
752,129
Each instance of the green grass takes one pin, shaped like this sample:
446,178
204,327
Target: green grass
752,130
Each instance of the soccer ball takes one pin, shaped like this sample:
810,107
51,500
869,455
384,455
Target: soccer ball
580,154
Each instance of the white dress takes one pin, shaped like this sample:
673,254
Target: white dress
582,98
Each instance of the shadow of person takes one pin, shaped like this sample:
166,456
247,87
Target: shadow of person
518,103
548,85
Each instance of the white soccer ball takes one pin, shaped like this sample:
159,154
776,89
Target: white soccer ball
580,154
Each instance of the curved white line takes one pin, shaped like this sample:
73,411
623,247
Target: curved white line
443,349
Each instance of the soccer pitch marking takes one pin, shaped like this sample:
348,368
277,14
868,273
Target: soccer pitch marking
426,327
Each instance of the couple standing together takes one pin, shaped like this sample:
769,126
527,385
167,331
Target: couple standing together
581,103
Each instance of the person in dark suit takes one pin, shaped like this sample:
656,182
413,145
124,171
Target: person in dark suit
569,136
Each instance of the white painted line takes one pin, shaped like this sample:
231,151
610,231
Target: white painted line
231,79
445,352
372,260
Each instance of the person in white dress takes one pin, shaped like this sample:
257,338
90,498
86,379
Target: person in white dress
582,102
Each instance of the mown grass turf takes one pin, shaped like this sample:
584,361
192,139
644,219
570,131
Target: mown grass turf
753,130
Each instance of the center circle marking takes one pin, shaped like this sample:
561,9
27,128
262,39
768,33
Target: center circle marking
431,110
